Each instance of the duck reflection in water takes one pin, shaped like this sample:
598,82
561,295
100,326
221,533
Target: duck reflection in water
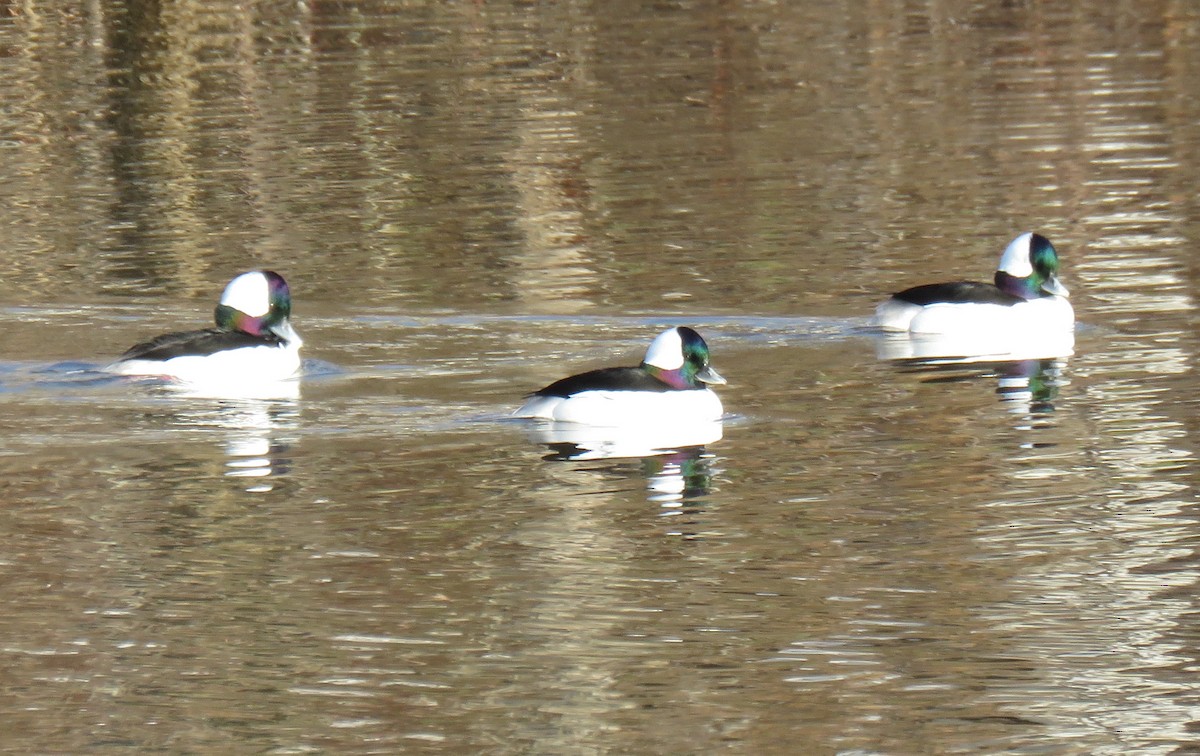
1028,374
676,478
251,426
571,441
674,462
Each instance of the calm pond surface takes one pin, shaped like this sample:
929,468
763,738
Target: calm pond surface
471,199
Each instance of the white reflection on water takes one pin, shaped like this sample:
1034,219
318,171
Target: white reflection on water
675,462
951,348
1028,375
582,442
1030,387
264,391
252,427
685,475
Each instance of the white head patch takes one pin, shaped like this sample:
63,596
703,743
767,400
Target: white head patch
249,293
1015,260
666,351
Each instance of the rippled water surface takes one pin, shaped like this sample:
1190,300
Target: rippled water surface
470,199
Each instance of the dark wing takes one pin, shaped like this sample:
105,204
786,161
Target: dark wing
194,343
956,292
605,379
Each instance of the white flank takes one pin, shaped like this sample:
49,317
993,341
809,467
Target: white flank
232,367
611,409
249,293
895,314
984,321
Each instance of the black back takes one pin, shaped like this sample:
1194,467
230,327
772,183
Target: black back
956,292
605,379
195,343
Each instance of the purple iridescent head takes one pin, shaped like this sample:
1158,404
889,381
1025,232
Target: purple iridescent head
679,358
1029,268
257,303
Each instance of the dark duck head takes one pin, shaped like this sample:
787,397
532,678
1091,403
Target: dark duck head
258,303
679,358
1029,268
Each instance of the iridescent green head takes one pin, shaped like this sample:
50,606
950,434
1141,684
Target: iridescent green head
257,303
1029,268
679,358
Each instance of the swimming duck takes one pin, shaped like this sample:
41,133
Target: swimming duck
253,340
669,387
1026,296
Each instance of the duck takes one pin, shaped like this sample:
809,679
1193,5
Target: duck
253,340
669,387
1026,297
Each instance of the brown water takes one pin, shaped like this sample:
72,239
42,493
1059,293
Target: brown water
470,199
